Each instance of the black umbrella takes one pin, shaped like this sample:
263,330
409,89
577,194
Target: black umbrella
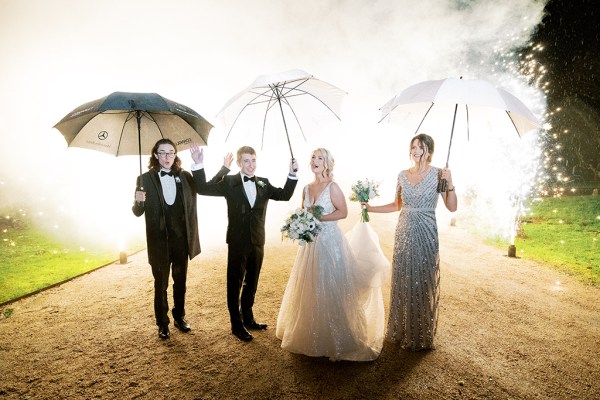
131,123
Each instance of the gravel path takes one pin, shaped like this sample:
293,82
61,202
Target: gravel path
507,330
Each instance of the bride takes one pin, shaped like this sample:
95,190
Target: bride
332,306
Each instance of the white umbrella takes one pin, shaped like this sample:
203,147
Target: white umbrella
478,98
295,93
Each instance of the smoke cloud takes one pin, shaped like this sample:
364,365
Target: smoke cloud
60,54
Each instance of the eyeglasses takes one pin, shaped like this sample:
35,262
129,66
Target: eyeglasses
163,154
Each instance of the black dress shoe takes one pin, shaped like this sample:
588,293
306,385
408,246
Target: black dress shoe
163,331
242,334
255,325
182,325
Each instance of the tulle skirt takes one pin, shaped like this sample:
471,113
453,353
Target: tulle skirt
333,303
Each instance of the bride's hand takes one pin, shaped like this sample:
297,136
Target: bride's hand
365,205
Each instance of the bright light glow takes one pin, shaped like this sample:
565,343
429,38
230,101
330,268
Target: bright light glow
54,68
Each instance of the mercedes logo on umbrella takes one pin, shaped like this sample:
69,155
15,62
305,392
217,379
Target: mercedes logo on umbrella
103,135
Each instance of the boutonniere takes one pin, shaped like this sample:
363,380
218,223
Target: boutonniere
261,184
177,180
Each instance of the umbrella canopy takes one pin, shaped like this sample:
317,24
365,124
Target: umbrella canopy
296,93
131,123
479,99
420,98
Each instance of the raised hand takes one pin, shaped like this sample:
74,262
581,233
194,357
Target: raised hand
197,153
228,160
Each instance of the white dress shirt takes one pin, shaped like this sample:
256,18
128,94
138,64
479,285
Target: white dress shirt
168,186
250,188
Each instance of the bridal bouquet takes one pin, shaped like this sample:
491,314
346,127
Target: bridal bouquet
303,224
363,191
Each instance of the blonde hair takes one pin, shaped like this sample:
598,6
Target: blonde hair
245,150
329,162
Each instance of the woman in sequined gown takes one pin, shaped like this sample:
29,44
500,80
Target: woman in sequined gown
330,308
415,267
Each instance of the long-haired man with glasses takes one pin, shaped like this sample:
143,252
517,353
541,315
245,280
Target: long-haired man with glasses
166,195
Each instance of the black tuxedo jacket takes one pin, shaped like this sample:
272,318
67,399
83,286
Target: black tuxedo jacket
246,224
154,209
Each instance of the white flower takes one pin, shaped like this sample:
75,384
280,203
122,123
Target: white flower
364,191
302,225
261,184
177,179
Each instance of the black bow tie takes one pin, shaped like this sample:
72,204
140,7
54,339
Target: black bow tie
247,178
163,173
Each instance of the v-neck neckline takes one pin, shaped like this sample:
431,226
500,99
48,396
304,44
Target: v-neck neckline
317,197
420,180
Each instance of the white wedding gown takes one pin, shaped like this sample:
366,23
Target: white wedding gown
333,305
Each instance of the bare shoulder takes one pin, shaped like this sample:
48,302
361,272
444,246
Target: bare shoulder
334,187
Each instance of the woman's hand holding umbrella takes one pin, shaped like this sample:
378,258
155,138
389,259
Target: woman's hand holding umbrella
449,194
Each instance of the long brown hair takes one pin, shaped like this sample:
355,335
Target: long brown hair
153,163
426,141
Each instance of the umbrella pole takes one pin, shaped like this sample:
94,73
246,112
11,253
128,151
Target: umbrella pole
285,126
442,184
138,116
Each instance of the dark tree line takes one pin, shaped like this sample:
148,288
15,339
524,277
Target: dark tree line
570,34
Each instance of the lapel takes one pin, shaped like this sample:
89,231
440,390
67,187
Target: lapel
259,189
156,181
237,181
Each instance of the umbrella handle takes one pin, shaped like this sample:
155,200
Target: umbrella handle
139,188
441,187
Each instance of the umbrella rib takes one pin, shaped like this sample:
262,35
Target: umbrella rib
235,120
151,117
263,100
425,116
270,90
304,92
283,92
289,89
129,116
251,102
295,116
468,132
270,104
513,122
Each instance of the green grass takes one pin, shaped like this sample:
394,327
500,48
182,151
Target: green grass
30,260
564,233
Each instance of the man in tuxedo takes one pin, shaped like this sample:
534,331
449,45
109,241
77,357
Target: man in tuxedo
247,197
166,195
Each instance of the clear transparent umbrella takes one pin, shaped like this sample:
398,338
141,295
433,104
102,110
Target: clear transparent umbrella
295,94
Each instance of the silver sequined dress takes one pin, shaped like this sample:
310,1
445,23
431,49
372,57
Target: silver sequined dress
325,309
415,270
